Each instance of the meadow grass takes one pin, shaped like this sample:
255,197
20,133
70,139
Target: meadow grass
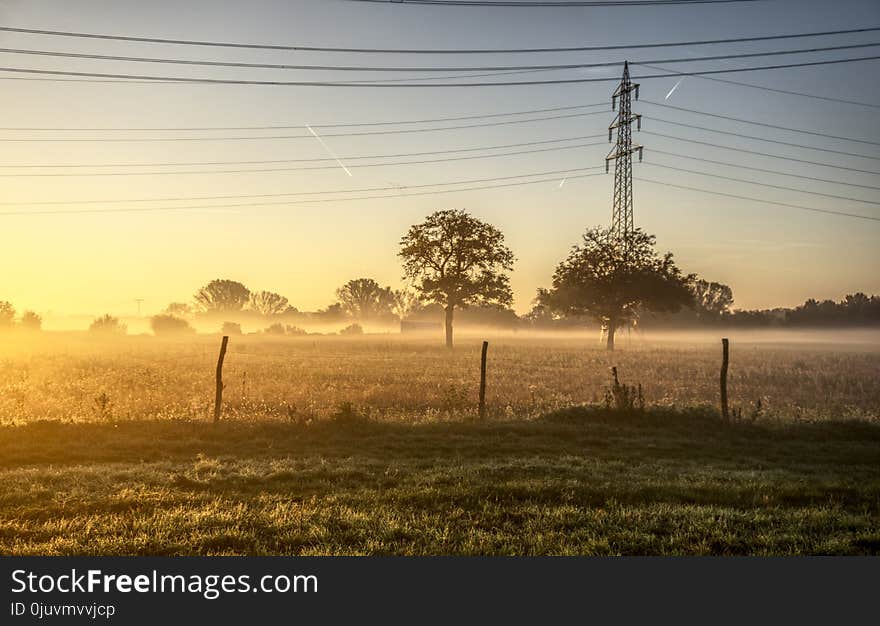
76,378
578,481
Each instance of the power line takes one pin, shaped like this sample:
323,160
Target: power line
335,125
303,136
765,154
278,83
311,168
421,69
554,3
311,160
770,89
322,200
763,169
764,124
753,182
776,141
291,193
785,204
299,48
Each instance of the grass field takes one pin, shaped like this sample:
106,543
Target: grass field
77,378
577,482
369,446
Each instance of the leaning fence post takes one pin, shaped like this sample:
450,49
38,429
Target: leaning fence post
724,360
483,380
218,396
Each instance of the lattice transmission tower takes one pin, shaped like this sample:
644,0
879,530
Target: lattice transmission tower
621,154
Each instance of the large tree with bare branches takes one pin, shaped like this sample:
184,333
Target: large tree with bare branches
455,259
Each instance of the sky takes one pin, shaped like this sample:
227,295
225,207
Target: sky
92,263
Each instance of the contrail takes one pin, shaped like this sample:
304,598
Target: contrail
674,87
329,151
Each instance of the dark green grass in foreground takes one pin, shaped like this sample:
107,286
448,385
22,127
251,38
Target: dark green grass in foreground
579,482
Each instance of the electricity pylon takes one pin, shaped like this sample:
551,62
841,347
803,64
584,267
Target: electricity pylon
621,154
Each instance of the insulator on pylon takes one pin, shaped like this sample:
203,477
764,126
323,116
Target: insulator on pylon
640,154
637,92
638,122
613,103
609,134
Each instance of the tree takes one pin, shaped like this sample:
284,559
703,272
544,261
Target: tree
711,300
107,325
600,280
267,303
455,260
363,298
179,309
7,314
222,296
31,321
170,325
406,302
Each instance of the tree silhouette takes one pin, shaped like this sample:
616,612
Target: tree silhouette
107,325
31,321
455,260
268,303
406,302
170,325
7,315
179,309
599,280
222,296
711,300
364,298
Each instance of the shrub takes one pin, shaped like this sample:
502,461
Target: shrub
295,331
31,321
170,325
231,328
621,397
275,329
107,325
7,315
352,330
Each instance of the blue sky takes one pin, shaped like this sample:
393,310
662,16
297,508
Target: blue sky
770,255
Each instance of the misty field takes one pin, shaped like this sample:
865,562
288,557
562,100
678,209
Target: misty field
370,445
75,378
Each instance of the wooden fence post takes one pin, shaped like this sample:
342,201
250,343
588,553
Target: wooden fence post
483,380
724,359
218,397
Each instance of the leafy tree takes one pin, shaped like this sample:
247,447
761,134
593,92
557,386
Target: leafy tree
107,325
226,296
170,325
455,259
599,280
268,303
31,321
179,309
352,330
7,315
711,300
364,298
406,302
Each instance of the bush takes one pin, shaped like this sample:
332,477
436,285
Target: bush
7,315
31,321
295,331
352,330
107,325
275,329
170,325
231,328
